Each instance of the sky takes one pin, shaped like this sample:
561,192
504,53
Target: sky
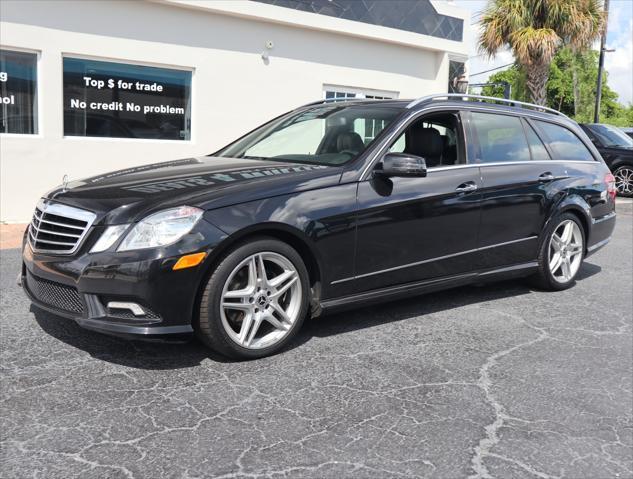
618,64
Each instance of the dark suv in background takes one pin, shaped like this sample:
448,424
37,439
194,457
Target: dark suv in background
616,147
333,205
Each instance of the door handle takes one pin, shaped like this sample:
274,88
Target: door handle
466,187
547,176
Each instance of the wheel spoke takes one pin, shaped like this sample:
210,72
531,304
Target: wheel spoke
257,321
567,233
282,282
275,322
555,262
556,242
240,293
281,312
247,323
261,270
566,269
238,306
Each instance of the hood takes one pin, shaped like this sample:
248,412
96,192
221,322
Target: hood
128,195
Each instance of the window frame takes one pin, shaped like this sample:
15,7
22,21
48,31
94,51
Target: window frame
526,125
401,129
38,93
128,61
553,154
477,144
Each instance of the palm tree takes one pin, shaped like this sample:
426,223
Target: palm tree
534,30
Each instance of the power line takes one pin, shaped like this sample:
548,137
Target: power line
491,70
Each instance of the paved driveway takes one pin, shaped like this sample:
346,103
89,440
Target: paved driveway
499,380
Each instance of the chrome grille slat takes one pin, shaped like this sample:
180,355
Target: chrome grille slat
60,224
39,240
42,230
67,219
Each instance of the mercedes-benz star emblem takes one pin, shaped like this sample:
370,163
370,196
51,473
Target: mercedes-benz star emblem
64,182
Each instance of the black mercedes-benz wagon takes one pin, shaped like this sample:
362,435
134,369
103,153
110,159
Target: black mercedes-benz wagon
332,205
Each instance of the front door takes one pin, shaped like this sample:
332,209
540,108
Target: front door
413,229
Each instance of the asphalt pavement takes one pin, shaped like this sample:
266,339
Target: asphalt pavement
494,381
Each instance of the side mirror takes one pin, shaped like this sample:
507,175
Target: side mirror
402,164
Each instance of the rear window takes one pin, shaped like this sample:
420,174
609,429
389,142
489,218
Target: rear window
565,144
501,138
539,152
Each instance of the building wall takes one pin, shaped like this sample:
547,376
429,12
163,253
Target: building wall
233,88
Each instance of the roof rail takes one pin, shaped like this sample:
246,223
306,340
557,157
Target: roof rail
331,100
479,98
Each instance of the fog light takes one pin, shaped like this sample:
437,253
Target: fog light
134,308
189,261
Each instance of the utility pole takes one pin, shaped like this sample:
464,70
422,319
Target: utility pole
603,40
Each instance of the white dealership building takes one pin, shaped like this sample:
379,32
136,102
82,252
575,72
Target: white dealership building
93,86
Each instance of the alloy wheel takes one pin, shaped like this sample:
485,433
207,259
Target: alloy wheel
565,251
624,180
261,300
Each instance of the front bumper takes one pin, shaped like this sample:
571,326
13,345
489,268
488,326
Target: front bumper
81,286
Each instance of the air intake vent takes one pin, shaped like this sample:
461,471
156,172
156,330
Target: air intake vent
57,228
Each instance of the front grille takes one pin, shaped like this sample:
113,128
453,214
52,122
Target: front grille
57,228
55,294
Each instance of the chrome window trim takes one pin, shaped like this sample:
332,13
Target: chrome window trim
507,163
59,209
430,260
533,115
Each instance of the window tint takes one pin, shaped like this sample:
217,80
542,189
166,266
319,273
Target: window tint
539,152
327,134
566,145
18,92
120,100
434,138
501,138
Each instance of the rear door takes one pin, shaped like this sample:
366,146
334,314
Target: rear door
517,176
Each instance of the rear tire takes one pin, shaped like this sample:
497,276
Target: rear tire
561,254
255,301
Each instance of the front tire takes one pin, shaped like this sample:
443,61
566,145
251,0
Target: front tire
255,301
561,254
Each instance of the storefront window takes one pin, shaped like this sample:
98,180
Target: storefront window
117,100
18,92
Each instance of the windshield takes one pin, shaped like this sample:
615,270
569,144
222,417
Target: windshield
611,136
324,135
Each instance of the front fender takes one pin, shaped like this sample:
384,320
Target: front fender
319,223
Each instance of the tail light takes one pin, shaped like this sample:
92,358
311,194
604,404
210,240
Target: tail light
610,182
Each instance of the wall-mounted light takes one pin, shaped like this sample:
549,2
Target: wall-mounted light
265,54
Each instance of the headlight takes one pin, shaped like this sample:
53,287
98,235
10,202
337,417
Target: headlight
161,229
108,238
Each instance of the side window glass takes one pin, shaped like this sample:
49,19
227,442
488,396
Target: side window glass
539,152
434,138
565,144
399,145
501,138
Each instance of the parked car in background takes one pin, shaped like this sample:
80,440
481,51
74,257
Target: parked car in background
628,131
332,205
616,147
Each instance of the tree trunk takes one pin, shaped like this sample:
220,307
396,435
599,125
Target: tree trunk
537,75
